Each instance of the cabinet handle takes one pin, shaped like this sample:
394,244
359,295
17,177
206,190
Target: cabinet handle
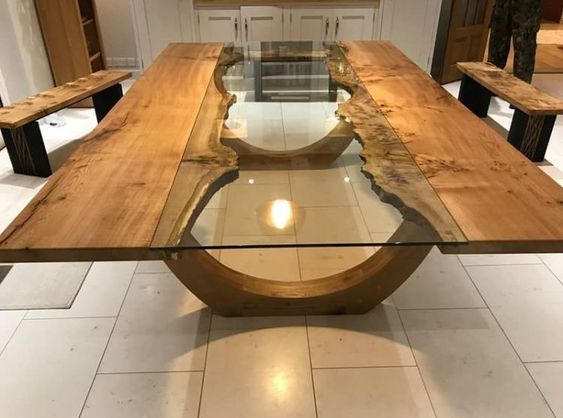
326,28
246,28
236,28
336,29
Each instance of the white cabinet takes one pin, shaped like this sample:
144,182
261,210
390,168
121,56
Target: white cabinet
354,23
411,26
158,23
310,24
329,24
219,25
261,23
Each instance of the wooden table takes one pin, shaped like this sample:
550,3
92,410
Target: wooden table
135,187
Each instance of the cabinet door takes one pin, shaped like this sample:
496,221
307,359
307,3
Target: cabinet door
166,23
219,25
354,23
261,23
411,26
311,24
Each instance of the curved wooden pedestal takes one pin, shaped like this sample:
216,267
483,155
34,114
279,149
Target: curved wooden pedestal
355,291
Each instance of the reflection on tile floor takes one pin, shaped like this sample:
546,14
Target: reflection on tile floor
471,336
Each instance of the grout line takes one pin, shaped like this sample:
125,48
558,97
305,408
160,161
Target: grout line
543,361
149,372
416,364
205,362
366,367
12,335
510,342
70,317
107,344
439,309
551,270
311,366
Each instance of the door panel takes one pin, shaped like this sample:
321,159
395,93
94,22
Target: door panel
262,23
467,35
310,24
353,23
164,24
219,25
411,26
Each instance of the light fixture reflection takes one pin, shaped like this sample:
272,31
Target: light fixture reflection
347,179
280,213
250,181
280,384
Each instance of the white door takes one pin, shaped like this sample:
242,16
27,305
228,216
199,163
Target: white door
411,26
354,24
158,23
310,24
219,25
261,23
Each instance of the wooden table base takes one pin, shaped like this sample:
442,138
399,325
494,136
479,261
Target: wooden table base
355,291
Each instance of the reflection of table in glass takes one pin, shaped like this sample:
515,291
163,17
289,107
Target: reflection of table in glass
178,171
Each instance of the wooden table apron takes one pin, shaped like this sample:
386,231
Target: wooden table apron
112,199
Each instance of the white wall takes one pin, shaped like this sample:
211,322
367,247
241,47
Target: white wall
24,66
116,27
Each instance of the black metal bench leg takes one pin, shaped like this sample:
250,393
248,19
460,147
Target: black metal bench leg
530,134
474,96
106,99
27,151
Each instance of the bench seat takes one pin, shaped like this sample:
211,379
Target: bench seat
535,112
18,121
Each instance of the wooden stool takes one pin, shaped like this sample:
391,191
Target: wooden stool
19,121
535,113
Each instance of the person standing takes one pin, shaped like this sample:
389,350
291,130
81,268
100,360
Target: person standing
519,20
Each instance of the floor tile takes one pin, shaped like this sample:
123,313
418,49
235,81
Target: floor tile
439,282
321,188
332,225
42,285
353,164
266,263
555,263
498,259
302,132
166,395
262,177
258,367
468,366
312,110
161,327
47,368
320,262
374,339
254,110
527,301
250,210
379,216
152,266
102,292
9,321
382,392
549,378
266,133
208,228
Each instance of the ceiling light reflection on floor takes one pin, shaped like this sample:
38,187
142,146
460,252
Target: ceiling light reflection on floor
281,214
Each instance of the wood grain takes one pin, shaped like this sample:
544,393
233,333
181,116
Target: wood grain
50,101
500,200
522,95
355,291
110,193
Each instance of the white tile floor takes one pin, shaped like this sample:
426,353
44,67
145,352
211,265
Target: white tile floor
469,336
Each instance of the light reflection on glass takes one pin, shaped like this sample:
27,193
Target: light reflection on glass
250,181
347,179
280,384
280,213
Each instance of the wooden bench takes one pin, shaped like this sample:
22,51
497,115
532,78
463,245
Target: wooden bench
20,129
535,112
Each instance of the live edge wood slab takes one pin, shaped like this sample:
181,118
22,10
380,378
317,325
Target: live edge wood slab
112,198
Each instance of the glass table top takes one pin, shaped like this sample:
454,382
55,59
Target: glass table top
300,180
